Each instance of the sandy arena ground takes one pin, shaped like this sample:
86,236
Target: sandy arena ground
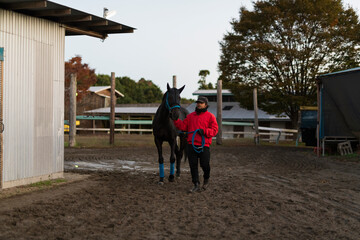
265,192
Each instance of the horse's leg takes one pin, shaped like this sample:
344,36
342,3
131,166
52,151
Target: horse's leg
179,155
158,144
173,146
178,160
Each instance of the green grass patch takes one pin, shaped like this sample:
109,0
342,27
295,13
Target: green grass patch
47,183
60,180
41,184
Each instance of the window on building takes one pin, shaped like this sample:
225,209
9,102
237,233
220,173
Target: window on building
227,108
212,98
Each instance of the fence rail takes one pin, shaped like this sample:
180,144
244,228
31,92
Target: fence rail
116,130
276,133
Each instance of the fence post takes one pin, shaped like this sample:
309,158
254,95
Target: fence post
112,109
219,112
72,109
174,81
256,120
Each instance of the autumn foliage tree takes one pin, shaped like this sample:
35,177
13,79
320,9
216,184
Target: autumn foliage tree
282,46
85,77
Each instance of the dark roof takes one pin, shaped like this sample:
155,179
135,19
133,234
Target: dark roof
340,72
125,110
74,21
212,92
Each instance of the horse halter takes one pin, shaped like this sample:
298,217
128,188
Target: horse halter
167,104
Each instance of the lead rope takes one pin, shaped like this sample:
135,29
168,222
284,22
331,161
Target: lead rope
196,149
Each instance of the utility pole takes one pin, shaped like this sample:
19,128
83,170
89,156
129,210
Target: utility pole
174,81
219,112
72,109
256,120
112,109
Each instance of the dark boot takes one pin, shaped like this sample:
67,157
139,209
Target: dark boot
196,188
206,184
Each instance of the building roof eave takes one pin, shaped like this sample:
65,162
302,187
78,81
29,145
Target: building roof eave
74,21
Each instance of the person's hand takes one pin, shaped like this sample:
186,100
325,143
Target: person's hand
201,132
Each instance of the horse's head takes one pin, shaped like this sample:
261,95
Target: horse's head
172,101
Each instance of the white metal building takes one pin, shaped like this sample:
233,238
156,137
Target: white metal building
32,45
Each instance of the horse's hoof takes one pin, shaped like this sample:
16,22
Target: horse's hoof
178,175
161,181
171,178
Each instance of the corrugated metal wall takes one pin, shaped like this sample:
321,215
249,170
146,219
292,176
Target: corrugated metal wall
1,115
33,95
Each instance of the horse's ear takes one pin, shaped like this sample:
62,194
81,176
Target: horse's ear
182,88
168,87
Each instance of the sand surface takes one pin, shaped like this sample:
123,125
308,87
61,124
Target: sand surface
264,192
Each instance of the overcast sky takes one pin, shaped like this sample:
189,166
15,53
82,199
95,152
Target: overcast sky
172,37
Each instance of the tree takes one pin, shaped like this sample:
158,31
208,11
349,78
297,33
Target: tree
143,91
103,80
85,77
148,92
203,74
282,46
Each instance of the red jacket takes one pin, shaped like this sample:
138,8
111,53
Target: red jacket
193,121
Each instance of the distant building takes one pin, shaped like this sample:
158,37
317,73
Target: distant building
97,97
127,116
232,113
236,120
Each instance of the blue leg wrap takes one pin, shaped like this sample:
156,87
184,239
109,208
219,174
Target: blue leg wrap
161,170
172,168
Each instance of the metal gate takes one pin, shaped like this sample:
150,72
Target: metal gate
1,114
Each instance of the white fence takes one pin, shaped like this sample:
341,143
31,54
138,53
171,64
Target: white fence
274,132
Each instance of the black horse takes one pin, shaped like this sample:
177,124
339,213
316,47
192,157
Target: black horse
165,130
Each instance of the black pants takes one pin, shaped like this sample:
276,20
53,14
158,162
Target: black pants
204,157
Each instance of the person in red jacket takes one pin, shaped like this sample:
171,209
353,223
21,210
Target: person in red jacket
204,125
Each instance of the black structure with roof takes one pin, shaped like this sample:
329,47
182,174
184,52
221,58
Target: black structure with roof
339,106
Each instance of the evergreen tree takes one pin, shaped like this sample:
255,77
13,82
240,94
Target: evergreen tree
202,82
143,91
